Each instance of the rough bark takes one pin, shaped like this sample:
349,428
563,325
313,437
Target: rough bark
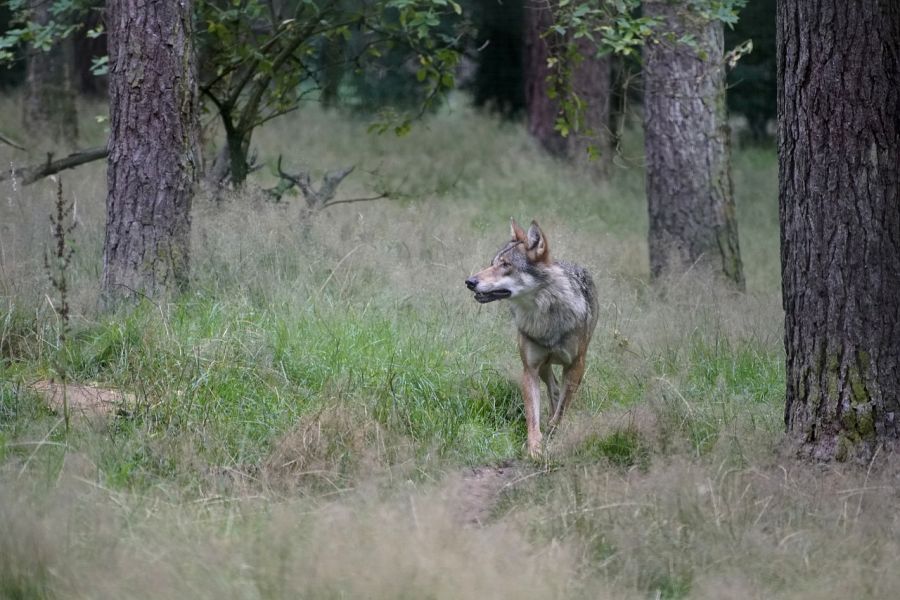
689,189
839,192
591,82
49,107
153,151
542,111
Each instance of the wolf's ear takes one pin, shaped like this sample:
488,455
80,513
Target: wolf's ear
517,233
537,244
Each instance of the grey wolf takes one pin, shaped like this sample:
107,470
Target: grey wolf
554,305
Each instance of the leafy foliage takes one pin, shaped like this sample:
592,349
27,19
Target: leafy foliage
68,16
263,59
617,27
259,59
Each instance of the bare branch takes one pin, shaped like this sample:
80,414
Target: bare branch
329,185
9,142
29,175
349,200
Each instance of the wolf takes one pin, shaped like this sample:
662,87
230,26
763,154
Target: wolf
554,305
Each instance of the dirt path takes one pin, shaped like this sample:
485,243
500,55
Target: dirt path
476,490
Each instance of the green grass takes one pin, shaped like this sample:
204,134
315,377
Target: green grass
301,418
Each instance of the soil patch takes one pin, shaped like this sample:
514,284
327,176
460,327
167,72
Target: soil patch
84,399
476,490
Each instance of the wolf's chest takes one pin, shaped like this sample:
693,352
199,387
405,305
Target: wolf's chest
551,332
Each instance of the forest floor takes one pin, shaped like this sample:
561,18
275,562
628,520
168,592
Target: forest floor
328,413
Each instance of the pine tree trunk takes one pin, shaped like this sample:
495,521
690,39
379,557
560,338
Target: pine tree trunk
689,190
839,191
49,107
154,156
541,110
591,146
590,82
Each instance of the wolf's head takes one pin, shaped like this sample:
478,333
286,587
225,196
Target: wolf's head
518,268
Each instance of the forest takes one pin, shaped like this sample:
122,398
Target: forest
449,299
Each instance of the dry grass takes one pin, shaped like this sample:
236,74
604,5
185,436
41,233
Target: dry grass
302,420
710,530
84,542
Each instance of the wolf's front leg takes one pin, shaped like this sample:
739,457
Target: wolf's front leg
531,394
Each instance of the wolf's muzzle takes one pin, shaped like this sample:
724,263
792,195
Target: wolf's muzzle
471,282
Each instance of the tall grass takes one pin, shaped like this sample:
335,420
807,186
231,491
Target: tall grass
295,422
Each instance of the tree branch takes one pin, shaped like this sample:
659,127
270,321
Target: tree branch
349,200
9,142
29,175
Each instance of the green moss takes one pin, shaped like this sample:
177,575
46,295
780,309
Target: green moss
848,420
831,375
865,424
814,395
844,448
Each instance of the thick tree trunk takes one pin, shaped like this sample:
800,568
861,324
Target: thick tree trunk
49,108
591,145
542,111
839,191
154,156
689,190
590,82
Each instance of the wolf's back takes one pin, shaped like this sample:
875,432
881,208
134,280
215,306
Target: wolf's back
582,283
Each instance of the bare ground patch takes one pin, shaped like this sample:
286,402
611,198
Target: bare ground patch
474,491
83,399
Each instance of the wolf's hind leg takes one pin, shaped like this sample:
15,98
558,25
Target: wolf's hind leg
549,379
571,380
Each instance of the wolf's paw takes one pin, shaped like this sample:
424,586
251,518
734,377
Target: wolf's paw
536,449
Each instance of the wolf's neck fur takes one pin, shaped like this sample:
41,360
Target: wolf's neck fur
551,312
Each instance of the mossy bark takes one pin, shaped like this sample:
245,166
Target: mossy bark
839,193
689,190
154,156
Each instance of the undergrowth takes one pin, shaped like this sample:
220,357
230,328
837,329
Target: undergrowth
288,427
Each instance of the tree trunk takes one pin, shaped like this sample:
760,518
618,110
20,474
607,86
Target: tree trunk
49,110
591,145
542,111
839,192
689,190
154,156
